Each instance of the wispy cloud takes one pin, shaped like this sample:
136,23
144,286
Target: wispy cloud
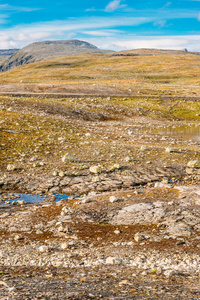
114,5
103,33
160,23
3,18
167,4
10,8
90,9
104,28
21,35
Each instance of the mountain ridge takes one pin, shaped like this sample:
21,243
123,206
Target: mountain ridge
7,53
39,51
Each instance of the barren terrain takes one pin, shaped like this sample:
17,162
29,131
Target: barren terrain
127,148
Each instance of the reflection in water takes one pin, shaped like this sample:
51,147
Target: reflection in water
190,132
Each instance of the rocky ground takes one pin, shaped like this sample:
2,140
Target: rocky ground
131,231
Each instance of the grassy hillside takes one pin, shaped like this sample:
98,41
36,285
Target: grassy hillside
139,71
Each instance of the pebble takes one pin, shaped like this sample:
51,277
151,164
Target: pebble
138,237
18,237
143,148
68,157
194,164
86,200
113,199
169,150
21,202
11,167
95,169
128,159
64,246
114,261
43,249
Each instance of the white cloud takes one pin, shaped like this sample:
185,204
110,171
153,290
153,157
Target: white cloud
22,35
191,42
98,30
114,5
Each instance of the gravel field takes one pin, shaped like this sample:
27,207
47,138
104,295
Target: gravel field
129,226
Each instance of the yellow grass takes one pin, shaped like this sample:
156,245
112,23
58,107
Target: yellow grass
162,72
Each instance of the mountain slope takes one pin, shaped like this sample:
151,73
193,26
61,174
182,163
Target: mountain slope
7,53
39,51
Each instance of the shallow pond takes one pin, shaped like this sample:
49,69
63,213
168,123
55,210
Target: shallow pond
189,132
29,198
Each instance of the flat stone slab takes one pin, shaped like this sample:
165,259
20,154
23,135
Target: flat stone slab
139,213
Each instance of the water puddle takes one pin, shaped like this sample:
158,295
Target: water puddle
29,198
190,132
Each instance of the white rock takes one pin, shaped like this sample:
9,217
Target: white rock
169,273
65,211
11,167
169,150
194,164
18,237
138,237
113,199
95,169
88,134
64,246
96,179
61,139
61,174
68,157
162,185
143,148
86,200
39,231
21,202
114,260
128,159
117,166
43,249
55,173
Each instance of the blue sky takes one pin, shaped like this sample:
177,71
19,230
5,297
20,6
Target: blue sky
115,24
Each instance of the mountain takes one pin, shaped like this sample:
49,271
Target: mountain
4,54
39,51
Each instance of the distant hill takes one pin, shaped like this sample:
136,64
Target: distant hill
39,51
154,52
134,72
4,54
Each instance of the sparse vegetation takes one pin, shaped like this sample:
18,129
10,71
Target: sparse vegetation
113,137
147,73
